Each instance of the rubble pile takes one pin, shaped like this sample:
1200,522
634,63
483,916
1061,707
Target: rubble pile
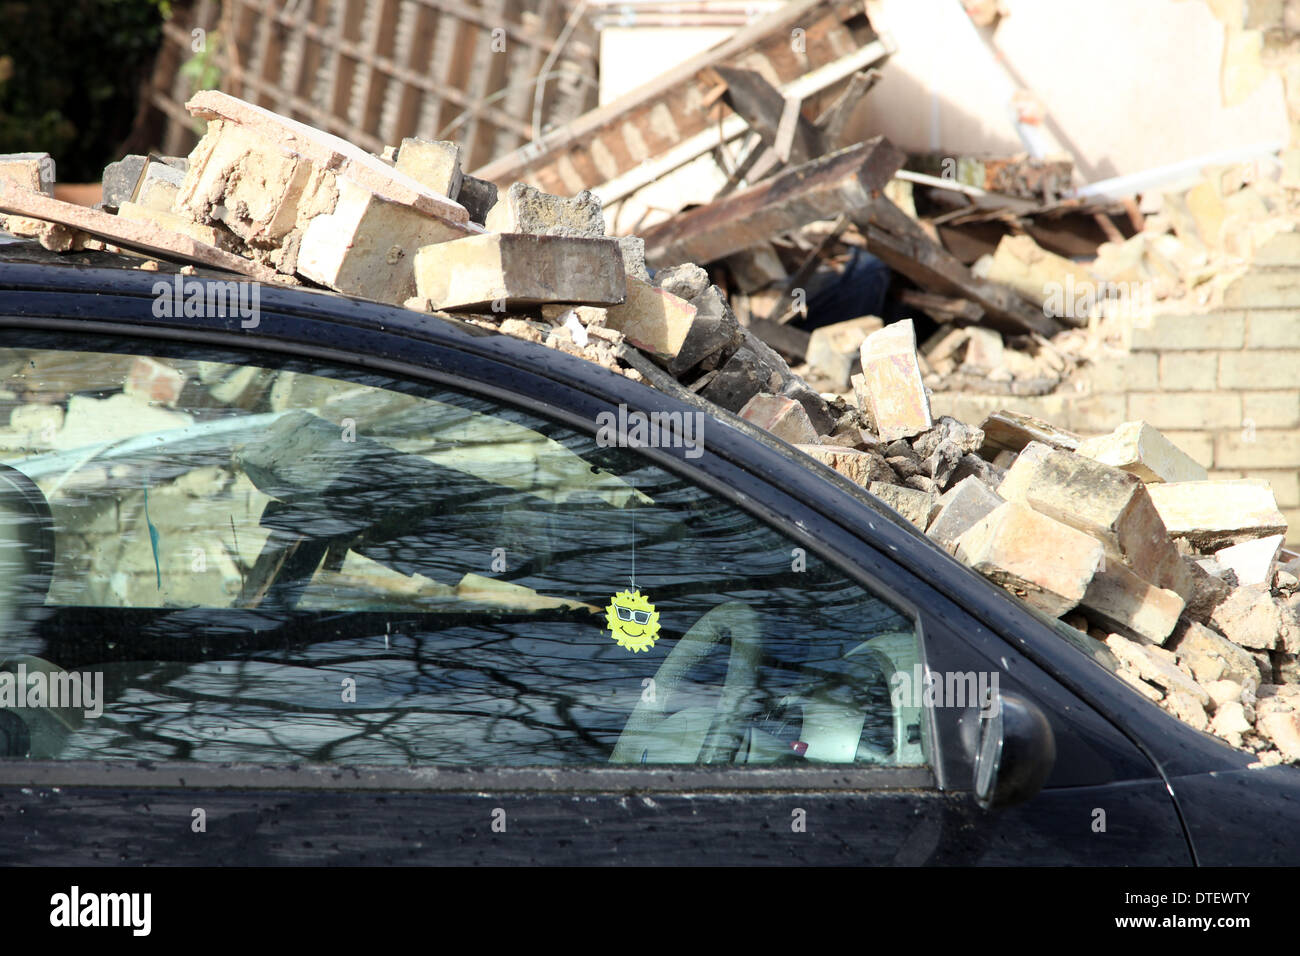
1179,581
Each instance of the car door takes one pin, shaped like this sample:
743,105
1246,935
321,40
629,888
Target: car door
356,616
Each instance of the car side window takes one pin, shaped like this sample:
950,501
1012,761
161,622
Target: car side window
223,561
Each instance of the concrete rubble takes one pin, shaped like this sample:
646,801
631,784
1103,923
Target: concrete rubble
1179,579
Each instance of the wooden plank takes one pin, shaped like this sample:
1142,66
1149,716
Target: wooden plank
762,106
411,102
681,85
791,342
831,121
144,237
731,127
905,248
842,181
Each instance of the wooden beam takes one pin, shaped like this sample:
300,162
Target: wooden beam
677,93
903,246
143,237
763,107
846,180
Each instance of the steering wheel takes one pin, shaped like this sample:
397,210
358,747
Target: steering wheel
699,737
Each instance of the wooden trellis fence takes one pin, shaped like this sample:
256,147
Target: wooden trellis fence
374,71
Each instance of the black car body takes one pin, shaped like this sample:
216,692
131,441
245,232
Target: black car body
1128,784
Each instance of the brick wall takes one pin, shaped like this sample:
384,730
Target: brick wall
1223,385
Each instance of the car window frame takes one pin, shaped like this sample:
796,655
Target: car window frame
149,773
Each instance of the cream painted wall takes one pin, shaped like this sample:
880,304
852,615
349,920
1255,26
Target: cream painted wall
1129,84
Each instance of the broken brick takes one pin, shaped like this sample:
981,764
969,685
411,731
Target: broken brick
783,417
1047,564
516,270
899,405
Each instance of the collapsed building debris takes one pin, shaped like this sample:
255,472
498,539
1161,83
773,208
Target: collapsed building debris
794,300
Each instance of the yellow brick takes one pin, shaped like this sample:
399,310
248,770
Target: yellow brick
1183,410
1259,369
1210,330
1198,445
1264,289
1273,329
1285,484
1188,371
1251,448
1271,409
1094,414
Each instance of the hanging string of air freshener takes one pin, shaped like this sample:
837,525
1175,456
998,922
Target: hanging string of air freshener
632,619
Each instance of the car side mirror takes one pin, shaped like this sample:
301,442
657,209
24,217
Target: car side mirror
1014,753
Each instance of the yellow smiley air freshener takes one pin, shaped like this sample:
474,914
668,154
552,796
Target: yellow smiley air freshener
633,621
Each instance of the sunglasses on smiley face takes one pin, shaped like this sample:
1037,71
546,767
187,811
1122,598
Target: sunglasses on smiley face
630,615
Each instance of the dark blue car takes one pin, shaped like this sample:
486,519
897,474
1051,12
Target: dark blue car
297,578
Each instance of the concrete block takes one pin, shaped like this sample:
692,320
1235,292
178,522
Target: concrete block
119,178
211,235
478,196
783,417
275,133
633,249
160,186
1138,448
819,413
1251,561
434,164
515,271
833,350
1095,414
1156,665
1211,657
1012,431
34,171
240,179
1212,514
912,504
860,467
654,321
1109,504
367,245
686,280
713,330
524,209
1134,371
752,368
1120,600
1047,564
899,405
984,349
959,509
1250,618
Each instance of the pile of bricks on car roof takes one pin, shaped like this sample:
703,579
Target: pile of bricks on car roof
1180,582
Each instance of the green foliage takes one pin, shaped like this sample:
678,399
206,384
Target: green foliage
70,75
201,69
